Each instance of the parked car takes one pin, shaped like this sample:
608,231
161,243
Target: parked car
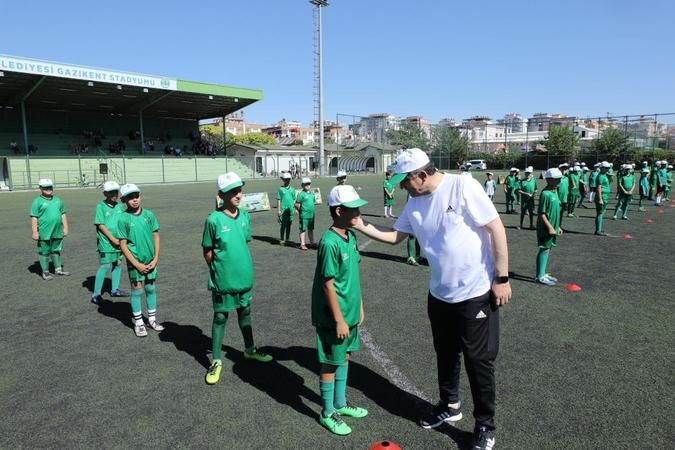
477,164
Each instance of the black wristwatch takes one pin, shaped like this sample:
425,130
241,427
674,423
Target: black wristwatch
502,280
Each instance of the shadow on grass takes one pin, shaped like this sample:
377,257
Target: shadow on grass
379,389
577,232
116,310
189,339
37,270
89,284
519,277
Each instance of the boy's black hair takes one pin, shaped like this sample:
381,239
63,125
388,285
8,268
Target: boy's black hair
387,173
333,210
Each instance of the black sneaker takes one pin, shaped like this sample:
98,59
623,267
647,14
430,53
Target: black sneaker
97,300
441,413
483,439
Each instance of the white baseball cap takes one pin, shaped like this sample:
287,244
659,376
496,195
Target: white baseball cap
228,181
606,164
585,169
670,166
111,186
129,189
341,174
513,169
583,164
529,169
45,182
407,161
345,195
553,173
306,180
286,176
560,166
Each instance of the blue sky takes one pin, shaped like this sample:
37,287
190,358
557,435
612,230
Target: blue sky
436,58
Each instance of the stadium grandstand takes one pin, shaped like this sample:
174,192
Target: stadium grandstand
79,124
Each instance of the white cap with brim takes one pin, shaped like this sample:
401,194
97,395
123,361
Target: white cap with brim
129,189
529,169
341,174
606,165
286,176
565,165
110,186
306,180
228,181
409,160
45,182
345,195
586,169
553,173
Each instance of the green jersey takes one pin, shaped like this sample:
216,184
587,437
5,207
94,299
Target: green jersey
593,179
337,259
286,195
389,187
662,177
564,189
644,185
627,181
48,212
574,183
528,186
603,182
108,215
138,230
549,204
306,200
669,178
511,182
231,269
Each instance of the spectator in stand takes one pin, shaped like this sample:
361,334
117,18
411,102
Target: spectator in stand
177,152
13,146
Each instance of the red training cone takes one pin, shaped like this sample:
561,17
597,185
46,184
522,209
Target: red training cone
649,221
384,445
573,287
627,236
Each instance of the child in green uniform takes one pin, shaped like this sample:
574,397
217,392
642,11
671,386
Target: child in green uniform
626,188
563,189
583,185
644,188
337,308
661,181
510,187
527,189
548,224
669,182
574,177
227,232
653,179
388,188
138,233
304,204
285,207
49,225
108,213
601,196
592,182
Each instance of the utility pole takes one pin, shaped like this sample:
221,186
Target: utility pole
318,78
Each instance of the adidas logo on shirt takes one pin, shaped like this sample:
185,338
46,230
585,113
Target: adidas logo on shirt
480,315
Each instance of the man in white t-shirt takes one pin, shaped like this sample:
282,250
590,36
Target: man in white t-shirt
464,240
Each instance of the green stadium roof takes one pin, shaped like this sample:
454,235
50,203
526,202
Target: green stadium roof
53,86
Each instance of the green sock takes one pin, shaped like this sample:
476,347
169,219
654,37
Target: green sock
598,223
327,396
341,386
217,334
244,318
136,295
44,262
151,296
411,247
542,261
100,279
116,276
56,259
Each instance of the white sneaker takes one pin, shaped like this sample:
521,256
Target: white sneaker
156,326
140,330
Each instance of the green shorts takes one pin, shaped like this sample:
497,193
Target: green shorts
286,216
230,302
135,275
388,202
306,224
547,241
332,350
50,246
109,257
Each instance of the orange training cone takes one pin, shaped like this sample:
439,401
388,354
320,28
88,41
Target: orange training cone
384,445
627,236
573,287
649,221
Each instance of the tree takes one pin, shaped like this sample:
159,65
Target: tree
448,146
561,141
613,143
214,135
408,135
252,139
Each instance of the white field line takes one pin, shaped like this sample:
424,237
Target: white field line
395,374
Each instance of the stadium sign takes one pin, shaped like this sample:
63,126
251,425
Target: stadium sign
52,69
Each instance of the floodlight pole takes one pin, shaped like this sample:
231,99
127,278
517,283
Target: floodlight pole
319,4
